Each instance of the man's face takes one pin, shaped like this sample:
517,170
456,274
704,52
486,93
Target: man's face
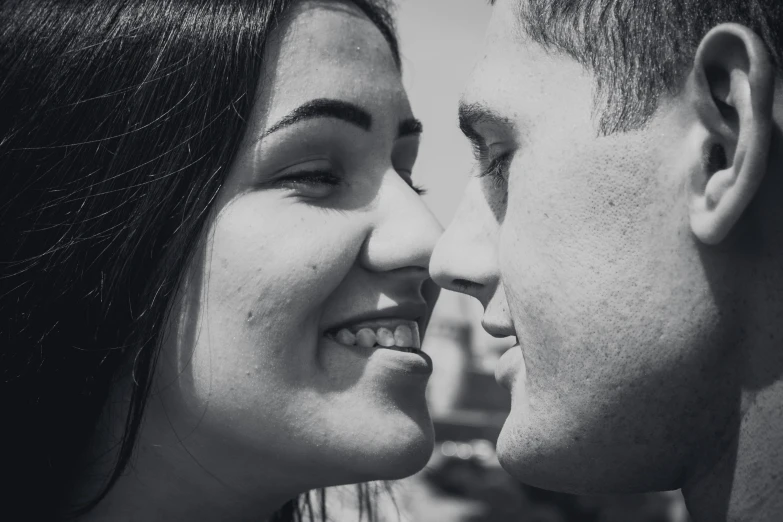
580,246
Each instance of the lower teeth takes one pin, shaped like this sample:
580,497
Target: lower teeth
406,349
397,348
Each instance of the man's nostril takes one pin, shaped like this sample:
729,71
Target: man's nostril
464,286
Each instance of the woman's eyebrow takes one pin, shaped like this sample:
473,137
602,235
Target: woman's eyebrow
409,127
324,108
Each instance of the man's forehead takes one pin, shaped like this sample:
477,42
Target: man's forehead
519,81
512,70
504,23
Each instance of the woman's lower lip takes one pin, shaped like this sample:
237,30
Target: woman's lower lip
418,362
509,366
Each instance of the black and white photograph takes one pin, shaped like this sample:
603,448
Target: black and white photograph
391,260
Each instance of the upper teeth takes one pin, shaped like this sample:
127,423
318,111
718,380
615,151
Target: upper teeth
403,336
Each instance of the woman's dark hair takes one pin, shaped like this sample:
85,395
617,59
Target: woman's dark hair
119,120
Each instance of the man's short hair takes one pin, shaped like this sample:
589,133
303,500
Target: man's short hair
640,49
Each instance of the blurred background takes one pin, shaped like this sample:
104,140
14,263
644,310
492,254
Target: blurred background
440,42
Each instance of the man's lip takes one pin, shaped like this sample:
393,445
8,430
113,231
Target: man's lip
414,311
506,370
498,331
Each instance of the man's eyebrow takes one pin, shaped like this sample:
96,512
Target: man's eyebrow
473,114
409,127
324,108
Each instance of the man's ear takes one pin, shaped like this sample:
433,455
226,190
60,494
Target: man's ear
732,90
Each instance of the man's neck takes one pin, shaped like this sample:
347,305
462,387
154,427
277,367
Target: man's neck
746,484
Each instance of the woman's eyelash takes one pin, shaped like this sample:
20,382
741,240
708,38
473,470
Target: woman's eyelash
496,169
418,189
314,177
407,175
318,177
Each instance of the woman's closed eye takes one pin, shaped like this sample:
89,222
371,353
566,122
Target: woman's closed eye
313,184
312,180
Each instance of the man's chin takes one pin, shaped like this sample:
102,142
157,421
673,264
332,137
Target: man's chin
551,460
542,458
512,448
524,459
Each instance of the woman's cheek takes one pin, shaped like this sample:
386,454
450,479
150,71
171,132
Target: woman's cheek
277,278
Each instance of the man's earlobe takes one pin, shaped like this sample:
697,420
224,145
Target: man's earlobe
732,89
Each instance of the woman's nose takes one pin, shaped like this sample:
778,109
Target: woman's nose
405,231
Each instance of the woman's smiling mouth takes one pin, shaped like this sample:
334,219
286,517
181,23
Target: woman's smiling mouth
392,333
393,340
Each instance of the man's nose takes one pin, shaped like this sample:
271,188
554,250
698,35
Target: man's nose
465,257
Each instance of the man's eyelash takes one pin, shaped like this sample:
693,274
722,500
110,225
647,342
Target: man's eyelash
496,169
479,150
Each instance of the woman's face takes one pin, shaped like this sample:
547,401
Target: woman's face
317,234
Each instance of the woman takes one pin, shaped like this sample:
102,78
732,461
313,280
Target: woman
214,276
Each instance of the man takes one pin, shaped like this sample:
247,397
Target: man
626,226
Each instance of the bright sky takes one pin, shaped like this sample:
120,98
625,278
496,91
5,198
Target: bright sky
440,41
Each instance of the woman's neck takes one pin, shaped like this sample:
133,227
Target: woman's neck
165,481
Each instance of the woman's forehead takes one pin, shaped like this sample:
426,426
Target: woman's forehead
330,38
330,50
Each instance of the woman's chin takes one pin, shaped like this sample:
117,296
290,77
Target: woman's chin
410,459
400,454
